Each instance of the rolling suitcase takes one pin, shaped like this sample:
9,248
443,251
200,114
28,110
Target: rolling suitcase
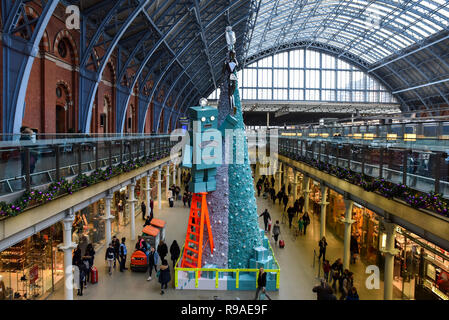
94,275
269,226
281,243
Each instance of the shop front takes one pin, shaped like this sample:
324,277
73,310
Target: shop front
32,268
89,226
364,231
421,269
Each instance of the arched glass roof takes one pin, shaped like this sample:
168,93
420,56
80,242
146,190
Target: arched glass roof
371,30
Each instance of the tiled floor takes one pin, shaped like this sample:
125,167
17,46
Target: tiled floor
296,261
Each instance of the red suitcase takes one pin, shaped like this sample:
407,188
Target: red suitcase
94,275
269,227
281,243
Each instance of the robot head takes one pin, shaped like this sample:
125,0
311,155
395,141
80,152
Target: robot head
206,117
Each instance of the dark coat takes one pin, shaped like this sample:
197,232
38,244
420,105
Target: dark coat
174,251
164,276
162,250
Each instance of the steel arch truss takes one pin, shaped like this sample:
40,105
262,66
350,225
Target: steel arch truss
22,32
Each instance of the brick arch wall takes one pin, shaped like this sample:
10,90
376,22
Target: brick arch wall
65,34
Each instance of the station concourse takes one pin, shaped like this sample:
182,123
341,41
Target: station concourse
331,115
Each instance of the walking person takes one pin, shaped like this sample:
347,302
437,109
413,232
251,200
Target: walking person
276,232
151,208
175,251
266,218
326,269
110,257
162,250
116,246
285,201
322,244
306,220
290,214
300,225
337,271
189,199
261,284
164,275
273,195
147,221
354,248
280,195
348,282
153,258
143,207
259,188
123,253
272,181
184,198
82,277
352,295
301,203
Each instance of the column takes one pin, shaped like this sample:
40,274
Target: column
68,247
159,188
389,252
167,181
347,239
179,177
174,174
108,217
131,202
295,185
147,191
324,204
306,191
279,177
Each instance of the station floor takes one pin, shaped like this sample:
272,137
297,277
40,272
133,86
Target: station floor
298,276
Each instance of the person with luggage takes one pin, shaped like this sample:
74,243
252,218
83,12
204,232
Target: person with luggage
266,218
322,244
174,252
110,257
306,220
89,257
162,250
82,269
116,246
143,207
164,275
261,284
123,253
276,232
170,197
153,258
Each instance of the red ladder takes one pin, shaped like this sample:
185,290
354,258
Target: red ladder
193,248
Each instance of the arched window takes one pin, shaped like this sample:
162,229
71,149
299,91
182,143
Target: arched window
308,75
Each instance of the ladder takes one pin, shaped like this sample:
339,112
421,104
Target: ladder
198,220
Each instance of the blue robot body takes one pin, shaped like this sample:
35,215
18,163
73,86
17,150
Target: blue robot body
204,153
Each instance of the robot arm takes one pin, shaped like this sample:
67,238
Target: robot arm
187,157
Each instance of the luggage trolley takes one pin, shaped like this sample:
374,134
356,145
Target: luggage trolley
159,224
151,236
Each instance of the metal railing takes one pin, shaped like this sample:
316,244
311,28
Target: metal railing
421,169
26,164
217,272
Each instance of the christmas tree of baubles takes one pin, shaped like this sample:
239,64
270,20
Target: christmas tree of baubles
232,206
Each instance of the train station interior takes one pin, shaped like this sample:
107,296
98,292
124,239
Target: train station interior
266,150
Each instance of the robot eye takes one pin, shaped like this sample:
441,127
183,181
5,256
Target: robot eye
212,118
203,119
